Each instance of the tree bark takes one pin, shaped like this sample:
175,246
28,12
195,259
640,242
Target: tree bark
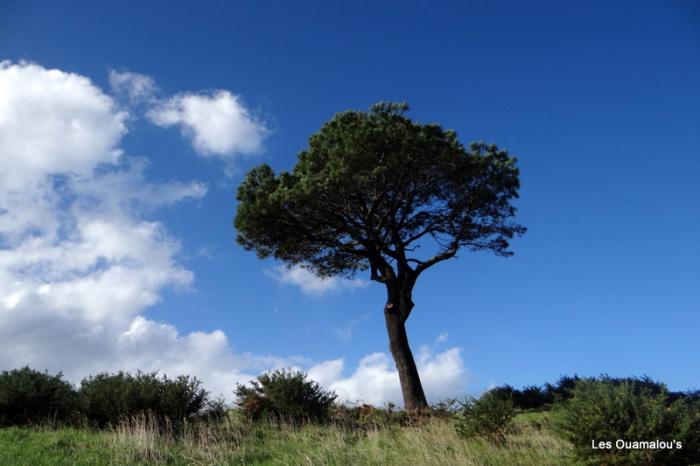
411,388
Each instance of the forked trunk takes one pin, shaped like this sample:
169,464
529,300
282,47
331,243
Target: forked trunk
413,395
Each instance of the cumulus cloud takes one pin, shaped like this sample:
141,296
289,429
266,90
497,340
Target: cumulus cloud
135,192
136,87
79,259
52,122
310,283
217,124
376,381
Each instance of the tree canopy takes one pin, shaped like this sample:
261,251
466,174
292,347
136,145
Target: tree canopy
372,185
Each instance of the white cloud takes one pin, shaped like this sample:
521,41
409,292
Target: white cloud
137,88
442,338
311,283
376,381
217,124
135,192
79,260
52,122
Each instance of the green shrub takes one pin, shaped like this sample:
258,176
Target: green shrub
488,416
629,410
518,397
561,391
368,417
537,398
28,396
106,399
285,395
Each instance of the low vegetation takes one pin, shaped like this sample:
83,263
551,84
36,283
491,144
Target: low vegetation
285,395
625,412
107,399
488,416
236,441
29,397
285,419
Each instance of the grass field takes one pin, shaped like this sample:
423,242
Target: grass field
233,442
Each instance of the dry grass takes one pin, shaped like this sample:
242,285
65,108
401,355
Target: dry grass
141,441
233,441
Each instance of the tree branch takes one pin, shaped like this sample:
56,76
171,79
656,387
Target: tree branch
449,253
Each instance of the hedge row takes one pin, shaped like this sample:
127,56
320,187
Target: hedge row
30,397
534,397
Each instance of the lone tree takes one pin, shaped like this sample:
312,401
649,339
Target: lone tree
375,190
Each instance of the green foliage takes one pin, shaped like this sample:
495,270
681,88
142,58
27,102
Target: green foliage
531,397
234,442
534,397
285,395
487,416
41,446
372,183
107,399
562,390
28,396
628,410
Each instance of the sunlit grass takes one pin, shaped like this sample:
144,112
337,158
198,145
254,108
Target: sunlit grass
234,442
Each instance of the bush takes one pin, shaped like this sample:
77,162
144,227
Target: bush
367,417
563,389
285,395
629,410
488,416
106,399
28,396
445,408
529,398
537,398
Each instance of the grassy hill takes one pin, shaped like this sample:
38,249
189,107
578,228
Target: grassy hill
284,419
236,442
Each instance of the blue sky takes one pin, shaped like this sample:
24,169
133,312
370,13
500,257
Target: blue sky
599,101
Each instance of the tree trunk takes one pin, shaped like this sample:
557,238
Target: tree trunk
413,395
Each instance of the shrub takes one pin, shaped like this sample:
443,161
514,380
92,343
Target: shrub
106,399
445,408
488,416
368,417
629,410
533,397
562,389
529,398
538,398
285,395
28,396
